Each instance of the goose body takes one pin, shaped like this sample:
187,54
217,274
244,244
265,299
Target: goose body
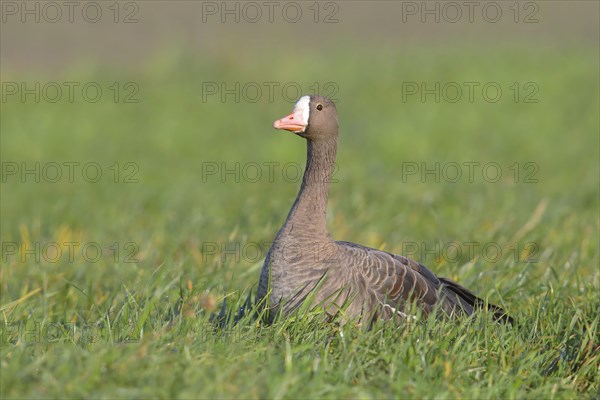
305,262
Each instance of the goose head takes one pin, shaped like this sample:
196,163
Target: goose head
313,117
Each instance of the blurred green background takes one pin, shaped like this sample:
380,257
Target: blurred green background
367,54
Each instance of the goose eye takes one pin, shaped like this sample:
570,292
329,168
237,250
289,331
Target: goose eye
319,107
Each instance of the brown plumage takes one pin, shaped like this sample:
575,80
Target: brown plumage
304,260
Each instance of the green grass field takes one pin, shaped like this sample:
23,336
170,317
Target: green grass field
176,239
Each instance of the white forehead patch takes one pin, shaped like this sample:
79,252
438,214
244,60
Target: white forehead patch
302,107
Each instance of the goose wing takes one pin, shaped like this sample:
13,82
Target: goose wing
390,282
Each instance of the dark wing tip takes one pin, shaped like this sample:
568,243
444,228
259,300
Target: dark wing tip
468,298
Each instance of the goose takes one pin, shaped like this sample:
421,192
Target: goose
304,263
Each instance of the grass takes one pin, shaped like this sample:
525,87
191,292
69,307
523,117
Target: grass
111,328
